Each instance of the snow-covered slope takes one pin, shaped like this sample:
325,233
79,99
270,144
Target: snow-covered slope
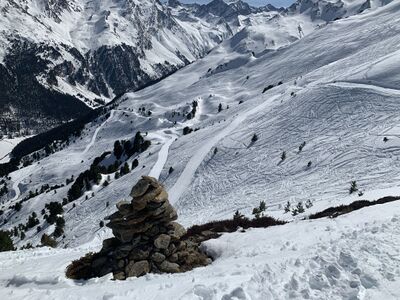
338,94
335,89
355,256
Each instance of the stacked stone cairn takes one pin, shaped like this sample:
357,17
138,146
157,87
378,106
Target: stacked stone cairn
146,237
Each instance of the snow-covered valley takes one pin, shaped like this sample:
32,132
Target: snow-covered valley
336,89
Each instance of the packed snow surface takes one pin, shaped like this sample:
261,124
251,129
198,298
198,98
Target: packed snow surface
6,146
355,256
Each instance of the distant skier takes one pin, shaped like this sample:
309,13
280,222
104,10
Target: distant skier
301,33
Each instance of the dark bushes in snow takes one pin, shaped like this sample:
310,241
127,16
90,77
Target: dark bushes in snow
232,225
333,212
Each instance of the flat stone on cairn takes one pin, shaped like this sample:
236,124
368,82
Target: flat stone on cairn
146,237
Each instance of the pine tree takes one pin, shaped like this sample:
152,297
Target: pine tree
259,211
262,206
18,206
118,150
6,243
254,138
135,163
353,187
283,156
101,224
220,107
171,169
302,146
48,241
309,203
309,164
299,207
238,215
124,169
287,207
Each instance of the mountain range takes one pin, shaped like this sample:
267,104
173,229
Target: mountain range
60,59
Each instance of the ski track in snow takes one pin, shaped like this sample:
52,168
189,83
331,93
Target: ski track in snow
16,189
162,156
195,161
376,88
96,132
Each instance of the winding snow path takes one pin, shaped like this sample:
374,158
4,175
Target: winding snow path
186,177
96,132
162,157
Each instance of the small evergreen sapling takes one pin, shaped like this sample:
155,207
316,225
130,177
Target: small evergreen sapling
259,211
353,187
309,203
254,138
238,215
283,156
300,207
287,207
303,144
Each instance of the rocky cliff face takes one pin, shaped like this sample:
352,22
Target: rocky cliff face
328,10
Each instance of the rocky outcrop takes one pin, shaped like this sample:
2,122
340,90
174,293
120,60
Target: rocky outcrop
146,238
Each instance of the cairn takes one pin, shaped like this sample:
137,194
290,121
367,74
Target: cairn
146,238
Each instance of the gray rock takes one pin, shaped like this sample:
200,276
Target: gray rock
124,207
123,250
121,264
119,276
139,254
177,230
173,258
151,180
161,197
137,268
158,257
109,243
169,267
162,241
139,188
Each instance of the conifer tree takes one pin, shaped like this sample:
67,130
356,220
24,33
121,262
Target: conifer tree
353,187
283,155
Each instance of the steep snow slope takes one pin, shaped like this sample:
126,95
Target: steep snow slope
337,96
355,256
